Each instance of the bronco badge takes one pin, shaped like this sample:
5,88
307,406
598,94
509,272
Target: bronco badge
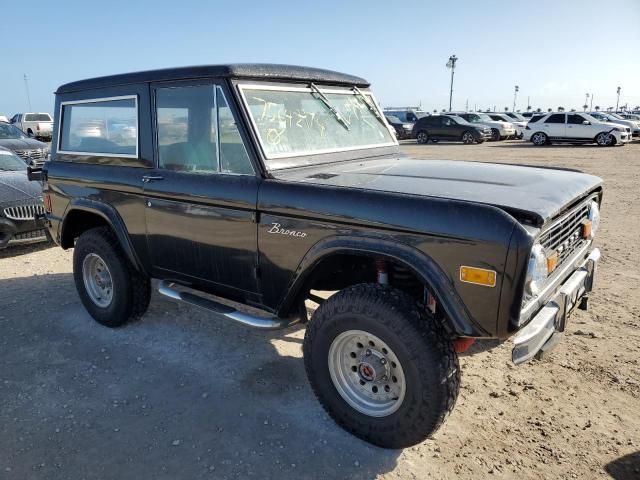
283,231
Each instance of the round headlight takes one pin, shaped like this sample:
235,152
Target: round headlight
537,270
594,216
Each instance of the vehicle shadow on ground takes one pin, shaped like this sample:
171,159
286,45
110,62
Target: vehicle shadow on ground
177,394
18,250
625,468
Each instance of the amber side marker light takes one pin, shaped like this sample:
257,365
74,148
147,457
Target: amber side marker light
586,228
552,262
478,276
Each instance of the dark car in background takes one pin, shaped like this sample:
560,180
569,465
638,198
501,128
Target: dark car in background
20,203
451,128
403,129
28,149
407,115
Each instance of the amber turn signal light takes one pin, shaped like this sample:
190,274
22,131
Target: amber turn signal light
552,262
479,276
586,228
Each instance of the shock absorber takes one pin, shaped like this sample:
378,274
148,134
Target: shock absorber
382,275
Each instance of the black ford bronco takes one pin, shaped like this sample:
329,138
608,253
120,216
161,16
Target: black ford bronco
282,188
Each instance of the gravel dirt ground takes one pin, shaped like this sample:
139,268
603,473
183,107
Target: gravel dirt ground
182,394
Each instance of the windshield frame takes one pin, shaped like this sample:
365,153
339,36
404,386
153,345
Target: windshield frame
297,87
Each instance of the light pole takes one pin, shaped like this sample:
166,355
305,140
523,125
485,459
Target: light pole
591,107
26,86
586,101
618,100
452,65
515,94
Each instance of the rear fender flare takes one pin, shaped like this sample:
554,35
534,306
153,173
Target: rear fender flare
111,217
459,318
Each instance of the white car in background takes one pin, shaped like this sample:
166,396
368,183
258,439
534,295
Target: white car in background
634,125
38,125
499,130
519,125
575,127
4,119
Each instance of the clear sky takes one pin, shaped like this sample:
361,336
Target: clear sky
556,51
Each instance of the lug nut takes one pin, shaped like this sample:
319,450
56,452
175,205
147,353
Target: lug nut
385,378
368,352
383,361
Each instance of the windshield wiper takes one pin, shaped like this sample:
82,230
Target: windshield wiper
371,108
328,104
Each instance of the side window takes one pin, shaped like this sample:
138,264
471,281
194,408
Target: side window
411,117
196,132
187,130
575,119
103,127
446,121
233,154
555,118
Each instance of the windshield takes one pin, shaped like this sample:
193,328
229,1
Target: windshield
393,119
10,162
421,114
297,121
516,116
615,115
9,131
37,117
483,117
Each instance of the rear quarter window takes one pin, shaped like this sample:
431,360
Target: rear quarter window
37,117
107,126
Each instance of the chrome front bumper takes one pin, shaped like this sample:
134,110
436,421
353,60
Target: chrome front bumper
544,331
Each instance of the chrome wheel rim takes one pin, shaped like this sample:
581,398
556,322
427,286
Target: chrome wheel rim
538,139
97,280
467,138
366,373
422,137
604,139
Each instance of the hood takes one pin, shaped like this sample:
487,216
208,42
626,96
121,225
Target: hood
16,187
22,143
539,192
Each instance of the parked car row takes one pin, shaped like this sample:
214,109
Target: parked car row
604,129
36,125
31,151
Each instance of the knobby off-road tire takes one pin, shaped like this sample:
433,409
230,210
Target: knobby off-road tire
409,335
98,255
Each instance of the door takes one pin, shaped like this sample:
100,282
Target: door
554,126
201,197
576,128
449,130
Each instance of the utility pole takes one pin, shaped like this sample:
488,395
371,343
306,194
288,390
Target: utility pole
528,104
618,100
452,65
586,101
466,105
591,106
515,95
26,86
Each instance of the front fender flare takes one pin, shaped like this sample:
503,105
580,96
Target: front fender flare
459,318
110,215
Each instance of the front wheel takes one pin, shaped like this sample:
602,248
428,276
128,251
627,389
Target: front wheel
467,138
539,139
422,137
495,135
381,366
111,290
605,139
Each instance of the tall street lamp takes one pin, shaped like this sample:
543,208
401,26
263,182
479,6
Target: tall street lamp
451,64
515,94
618,100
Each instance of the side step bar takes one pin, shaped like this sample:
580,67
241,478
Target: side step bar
269,323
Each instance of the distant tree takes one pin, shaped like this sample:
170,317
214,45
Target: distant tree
572,110
585,106
561,109
528,107
538,110
549,110
506,109
597,108
435,110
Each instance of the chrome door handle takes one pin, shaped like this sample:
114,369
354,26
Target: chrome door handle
151,178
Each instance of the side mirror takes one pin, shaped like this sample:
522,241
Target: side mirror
586,122
35,174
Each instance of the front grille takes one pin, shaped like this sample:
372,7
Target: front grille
23,212
564,236
35,234
37,154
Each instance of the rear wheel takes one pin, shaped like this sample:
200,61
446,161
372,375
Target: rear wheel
539,139
381,366
605,139
111,290
467,138
422,137
495,134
